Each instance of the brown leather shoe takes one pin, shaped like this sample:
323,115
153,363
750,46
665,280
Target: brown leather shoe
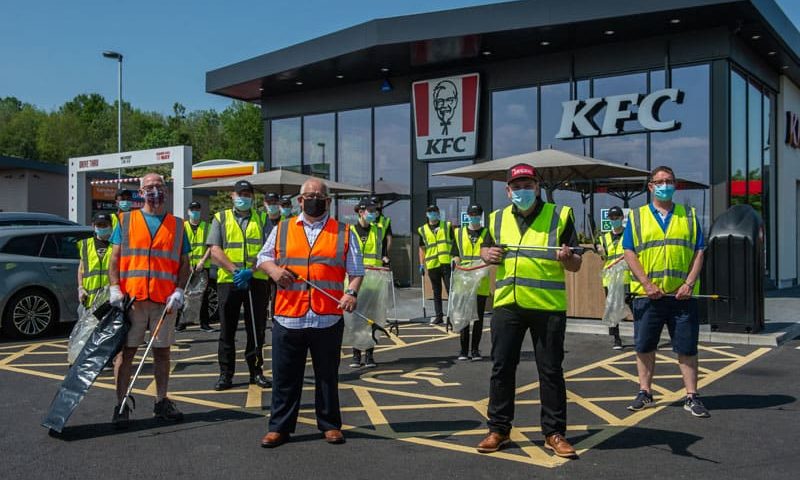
334,436
274,439
493,442
560,446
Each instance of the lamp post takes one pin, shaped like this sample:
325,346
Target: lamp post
322,145
118,57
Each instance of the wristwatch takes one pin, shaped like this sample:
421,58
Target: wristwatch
351,292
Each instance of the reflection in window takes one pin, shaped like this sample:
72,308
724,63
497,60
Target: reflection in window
625,149
286,143
393,148
738,139
551,99
355,148
319,146
755,146
514,130
445,180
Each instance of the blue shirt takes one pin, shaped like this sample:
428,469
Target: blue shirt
354,264
627,236
153,222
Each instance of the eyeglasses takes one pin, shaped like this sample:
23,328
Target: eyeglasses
314,196
663,182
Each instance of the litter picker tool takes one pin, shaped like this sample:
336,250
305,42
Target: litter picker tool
153,335
506,246
395,325
713,296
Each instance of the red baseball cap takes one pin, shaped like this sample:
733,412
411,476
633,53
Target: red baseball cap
520,170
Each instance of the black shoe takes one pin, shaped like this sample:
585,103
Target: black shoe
463,356
476,355
167,410
260,380
617,343
180,327
369,362
123,420
223,383
437,321
208,328
356,361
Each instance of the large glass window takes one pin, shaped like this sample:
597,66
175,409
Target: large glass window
285,149
393,161
355,147
435,181
514,129
738,155
755,146
319,146
625,149
551,99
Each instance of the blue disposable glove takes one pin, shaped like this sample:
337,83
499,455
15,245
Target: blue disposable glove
422,270
241,278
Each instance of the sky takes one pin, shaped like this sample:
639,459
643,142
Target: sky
50,50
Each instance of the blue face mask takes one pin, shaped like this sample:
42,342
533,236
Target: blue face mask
664,192
273,209
371,216
125,205
286,211
103,233
474,220
433,216
194,215
242,203
616,224
524,198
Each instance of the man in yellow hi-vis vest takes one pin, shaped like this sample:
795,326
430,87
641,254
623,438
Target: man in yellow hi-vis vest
664,248
531,242
199,258
236,237
95,255
436,251
611,243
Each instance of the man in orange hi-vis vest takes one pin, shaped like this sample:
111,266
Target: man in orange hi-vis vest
314,247
149,263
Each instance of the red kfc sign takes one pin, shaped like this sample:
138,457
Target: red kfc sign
446,117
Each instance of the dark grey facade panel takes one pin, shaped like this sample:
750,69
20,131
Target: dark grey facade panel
746,58
720,136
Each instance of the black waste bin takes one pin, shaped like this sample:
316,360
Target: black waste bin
734,267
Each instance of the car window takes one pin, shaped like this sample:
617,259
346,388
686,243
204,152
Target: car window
63,245
29,245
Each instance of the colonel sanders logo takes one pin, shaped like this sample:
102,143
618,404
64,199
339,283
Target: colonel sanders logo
445,101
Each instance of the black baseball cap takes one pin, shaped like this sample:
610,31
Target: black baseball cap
243,186
475,209
272,197
195,205
102,218
432,208
123,193
286,201
615,212
376,200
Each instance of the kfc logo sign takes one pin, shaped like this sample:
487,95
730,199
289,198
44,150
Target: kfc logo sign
792,129
446,117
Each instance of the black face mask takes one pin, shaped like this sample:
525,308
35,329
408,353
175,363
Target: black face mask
314,207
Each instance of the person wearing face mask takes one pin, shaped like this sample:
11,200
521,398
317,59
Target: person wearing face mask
323,251
372,242
124,204
611,243
530,294
286,207
199,258
150,264
95,256
436,251
386,226
664,249
236,236
468,241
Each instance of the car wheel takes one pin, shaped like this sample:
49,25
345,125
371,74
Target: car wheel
30,314
213,305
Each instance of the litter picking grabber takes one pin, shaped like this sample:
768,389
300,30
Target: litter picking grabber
153,336
424,312
506,246
375,327
252,321
713,296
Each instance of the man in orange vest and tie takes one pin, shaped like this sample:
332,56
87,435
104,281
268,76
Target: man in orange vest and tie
149,262
315,247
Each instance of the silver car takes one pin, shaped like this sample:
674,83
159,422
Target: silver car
39,277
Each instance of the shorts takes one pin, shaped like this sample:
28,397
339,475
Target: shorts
680,316
143,316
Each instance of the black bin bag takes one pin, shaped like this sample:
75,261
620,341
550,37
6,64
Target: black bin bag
100,349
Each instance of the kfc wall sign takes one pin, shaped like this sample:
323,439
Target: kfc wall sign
446,117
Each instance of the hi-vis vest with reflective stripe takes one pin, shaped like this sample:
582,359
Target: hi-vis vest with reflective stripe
372,249
470,253
240,248
665,257
114,221
383,222
95,269
531,279
613,251
324,264
148,266
197,241
268,226
437,245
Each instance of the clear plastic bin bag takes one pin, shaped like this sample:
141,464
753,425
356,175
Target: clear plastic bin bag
193,298
616,310
85,325
373,302
462,305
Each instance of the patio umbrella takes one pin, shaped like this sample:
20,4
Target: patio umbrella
280,181
389,192
626,189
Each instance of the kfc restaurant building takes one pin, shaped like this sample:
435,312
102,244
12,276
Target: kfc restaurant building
707,87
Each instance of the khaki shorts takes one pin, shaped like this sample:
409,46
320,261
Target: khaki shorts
144,316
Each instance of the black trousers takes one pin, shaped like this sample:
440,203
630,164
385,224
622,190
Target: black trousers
509,327
272,289
436,276
477,329
231,301
290,348
204,318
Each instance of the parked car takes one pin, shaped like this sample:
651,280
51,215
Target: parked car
17,219
39,279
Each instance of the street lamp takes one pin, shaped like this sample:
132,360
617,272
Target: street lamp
118,57
322,145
